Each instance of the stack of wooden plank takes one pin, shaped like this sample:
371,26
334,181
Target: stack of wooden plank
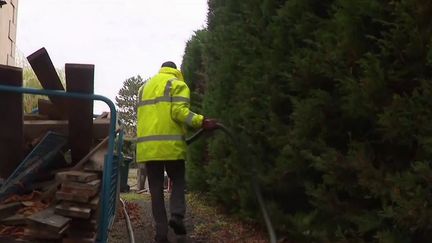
79,200
70,213
70,217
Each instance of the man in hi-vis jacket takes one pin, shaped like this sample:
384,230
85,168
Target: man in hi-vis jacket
163,114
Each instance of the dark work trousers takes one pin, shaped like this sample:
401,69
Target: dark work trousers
155,173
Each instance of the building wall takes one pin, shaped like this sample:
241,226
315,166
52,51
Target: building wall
8,25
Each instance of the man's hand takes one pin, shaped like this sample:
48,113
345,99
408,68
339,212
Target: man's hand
209,124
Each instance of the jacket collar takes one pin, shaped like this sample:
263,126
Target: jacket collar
172,71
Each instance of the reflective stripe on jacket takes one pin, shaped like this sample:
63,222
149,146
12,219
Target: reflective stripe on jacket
163,112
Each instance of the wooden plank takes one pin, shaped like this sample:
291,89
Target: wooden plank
73,210
80,79
47,108
9,209
14,220
46,73
44,233
94,203
90,188
49,220
32,117
11,125
104,115
96,161
87,192
76,176
13,239
88,185
36,128
75,192
77,166
73,197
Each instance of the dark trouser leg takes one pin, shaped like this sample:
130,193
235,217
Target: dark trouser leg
142,177
176,172
155,173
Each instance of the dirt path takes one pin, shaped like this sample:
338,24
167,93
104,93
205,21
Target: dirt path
139,210
203,223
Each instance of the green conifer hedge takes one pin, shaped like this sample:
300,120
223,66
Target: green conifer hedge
331,101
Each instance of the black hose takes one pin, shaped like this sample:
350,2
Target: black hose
194,136
255,185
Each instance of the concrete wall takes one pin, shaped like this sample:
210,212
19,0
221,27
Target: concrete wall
8,25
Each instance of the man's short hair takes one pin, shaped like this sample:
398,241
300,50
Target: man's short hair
169,64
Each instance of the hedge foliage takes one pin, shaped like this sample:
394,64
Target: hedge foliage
331,103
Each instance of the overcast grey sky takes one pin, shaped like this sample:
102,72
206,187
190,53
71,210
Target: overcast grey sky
122,38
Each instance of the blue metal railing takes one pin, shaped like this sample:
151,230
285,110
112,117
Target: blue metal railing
110,171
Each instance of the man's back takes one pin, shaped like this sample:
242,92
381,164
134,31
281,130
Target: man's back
163,112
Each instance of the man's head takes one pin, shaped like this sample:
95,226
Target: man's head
169,64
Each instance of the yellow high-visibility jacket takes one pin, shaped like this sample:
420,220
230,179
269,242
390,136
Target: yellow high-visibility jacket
163,113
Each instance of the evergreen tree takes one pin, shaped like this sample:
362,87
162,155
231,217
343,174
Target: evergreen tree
193,69
331,101
126,101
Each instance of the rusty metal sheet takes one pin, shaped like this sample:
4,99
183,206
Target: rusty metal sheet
80,79
11,122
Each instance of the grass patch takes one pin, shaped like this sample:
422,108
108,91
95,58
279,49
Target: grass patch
131,196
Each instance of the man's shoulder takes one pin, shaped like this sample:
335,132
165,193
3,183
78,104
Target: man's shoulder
179,84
